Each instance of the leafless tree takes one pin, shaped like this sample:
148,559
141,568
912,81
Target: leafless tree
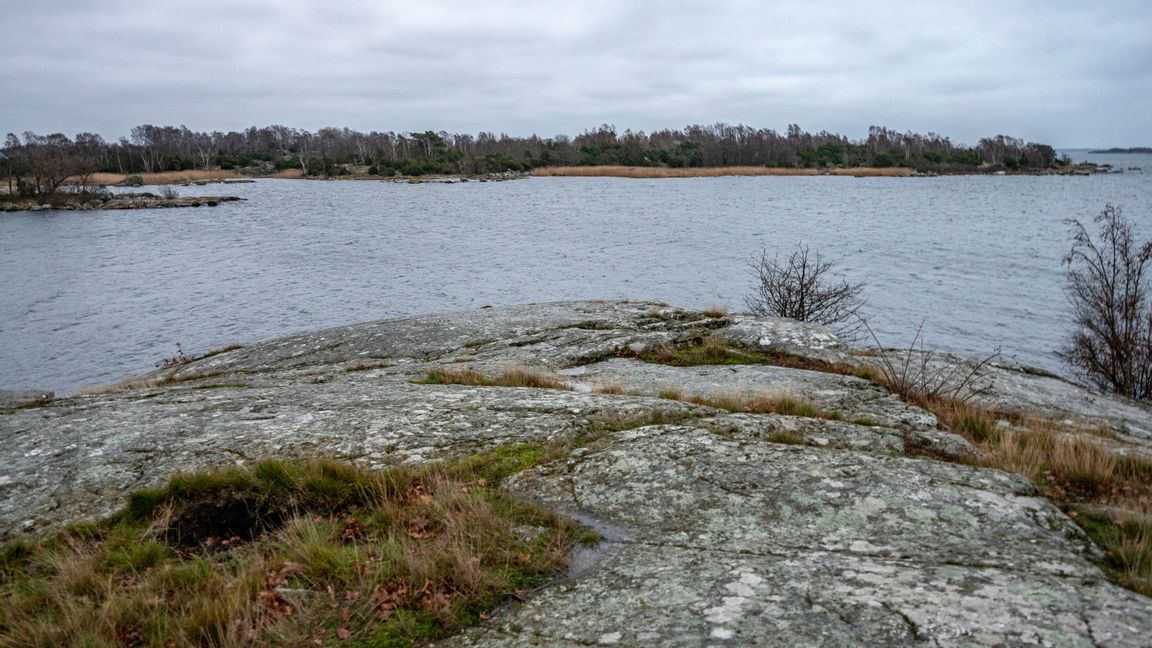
1111,298
801,286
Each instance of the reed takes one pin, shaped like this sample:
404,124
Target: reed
165,177
712,172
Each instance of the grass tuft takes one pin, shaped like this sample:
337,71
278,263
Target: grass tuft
509,377
360,365
617,390
1127,542
783,405
787,437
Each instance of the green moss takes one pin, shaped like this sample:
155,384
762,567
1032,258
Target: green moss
709,351
1127,545
497,464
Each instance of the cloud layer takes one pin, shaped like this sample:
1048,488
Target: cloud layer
1065,73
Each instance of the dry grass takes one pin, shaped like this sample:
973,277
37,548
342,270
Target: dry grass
744,404
1128,541
617,390
165,177
787,437
123,386
509,377
715,310
711,172
287,555
360,365
146,383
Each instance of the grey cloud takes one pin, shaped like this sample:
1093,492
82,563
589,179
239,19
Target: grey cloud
1069,73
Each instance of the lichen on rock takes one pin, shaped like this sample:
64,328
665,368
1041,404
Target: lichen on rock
721,527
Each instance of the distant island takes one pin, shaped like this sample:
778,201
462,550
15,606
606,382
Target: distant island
1134,149
52,168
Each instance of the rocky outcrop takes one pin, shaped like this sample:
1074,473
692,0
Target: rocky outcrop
133,201
720,528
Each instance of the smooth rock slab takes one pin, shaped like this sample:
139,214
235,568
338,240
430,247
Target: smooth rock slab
873,551
651,595
722,529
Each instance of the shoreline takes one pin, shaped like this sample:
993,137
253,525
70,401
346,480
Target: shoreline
128,201
201,177
753,171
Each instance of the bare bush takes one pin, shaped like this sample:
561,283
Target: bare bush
801,286
917,376
1108,288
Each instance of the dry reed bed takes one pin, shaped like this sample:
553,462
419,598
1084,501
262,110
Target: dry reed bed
712,172
164,177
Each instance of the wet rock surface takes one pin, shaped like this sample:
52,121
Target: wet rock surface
720,529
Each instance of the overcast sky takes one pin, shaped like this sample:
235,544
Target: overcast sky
1065,73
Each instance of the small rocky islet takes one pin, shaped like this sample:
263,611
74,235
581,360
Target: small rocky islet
863,524
142,200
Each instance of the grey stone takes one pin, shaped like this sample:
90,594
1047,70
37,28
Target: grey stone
720,529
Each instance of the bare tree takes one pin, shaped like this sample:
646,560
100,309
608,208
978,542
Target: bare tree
801,286
1111,300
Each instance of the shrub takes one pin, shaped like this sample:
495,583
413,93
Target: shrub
800,286
1108,288
913,374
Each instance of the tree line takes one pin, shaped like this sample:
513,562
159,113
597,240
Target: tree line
40,163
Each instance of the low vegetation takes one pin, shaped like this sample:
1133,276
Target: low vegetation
509,377
801,286
709,351
745,404
913,374
1110,290
289,554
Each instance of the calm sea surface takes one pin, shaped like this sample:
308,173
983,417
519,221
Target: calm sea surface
90,297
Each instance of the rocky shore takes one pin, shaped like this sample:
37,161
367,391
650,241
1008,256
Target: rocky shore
121,201
856,522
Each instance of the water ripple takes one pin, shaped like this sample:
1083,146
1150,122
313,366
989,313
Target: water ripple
89,297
